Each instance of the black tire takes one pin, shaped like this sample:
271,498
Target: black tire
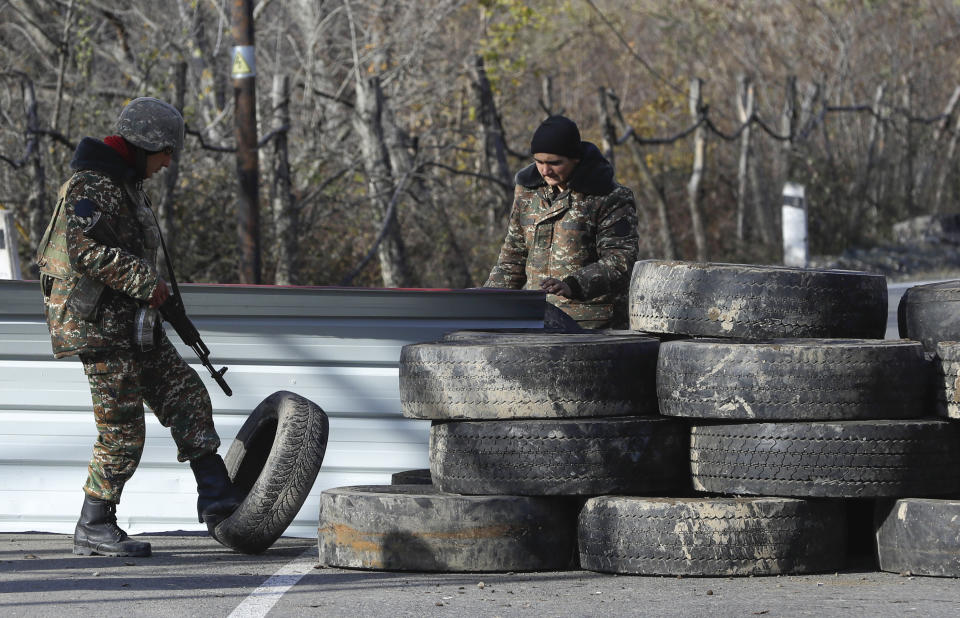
919,536
420,476
274,460
756,302
930,314
498,376
840,459
418,528
582,457
711,536
793,379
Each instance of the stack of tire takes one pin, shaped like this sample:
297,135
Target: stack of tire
524,425
794,399
920,535
768,390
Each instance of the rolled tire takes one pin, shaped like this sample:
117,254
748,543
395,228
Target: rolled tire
274,460
756,302
420,476
499,376
840,459
583,457
930,313
711,536
947,378
793,379
418,528
919,536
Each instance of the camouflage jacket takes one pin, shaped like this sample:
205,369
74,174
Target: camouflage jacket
586,236
102,182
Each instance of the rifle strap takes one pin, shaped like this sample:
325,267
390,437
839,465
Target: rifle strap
166,255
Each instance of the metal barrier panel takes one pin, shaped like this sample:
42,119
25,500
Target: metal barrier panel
339,347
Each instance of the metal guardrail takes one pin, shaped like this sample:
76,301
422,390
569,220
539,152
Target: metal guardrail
339,347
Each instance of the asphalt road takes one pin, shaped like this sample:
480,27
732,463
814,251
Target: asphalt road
192,575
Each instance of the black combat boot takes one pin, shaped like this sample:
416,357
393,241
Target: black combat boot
97,532
218,498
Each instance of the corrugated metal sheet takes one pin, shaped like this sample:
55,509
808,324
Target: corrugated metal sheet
339,347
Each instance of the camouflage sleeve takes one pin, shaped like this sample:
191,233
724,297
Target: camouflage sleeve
617,247
116,267
511,268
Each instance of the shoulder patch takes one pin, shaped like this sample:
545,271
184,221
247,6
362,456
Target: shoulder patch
85,208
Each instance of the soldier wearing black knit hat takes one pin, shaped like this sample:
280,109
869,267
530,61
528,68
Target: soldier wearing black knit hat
573,229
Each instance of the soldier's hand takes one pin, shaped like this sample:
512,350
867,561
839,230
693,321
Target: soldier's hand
160,294
552,285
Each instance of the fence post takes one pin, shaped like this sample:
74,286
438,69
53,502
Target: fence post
794,225
9,260
696,176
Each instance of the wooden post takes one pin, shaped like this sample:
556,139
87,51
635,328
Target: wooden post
494,160
667,246
910,153
699,150
606,127
284,212
747,177
548,99
38,210
244,92
874,138
745,111
165,206
62,55
788,126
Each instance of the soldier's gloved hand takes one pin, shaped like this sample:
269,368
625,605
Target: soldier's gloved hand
160,294
552,285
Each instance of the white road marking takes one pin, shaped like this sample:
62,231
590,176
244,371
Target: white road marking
269,592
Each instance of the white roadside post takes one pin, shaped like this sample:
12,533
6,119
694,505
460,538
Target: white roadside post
794,225
9,261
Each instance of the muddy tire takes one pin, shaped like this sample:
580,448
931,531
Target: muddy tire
420,476
418,528
930,314
499,376
793,379
919,536
840,459
582,457
274,460
947,379
711,536
756,302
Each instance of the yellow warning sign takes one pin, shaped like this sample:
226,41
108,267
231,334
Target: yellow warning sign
240,65
243,63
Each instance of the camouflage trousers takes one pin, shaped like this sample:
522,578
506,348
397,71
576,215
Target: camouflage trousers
120,382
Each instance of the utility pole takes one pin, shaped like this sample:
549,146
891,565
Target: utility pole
244,74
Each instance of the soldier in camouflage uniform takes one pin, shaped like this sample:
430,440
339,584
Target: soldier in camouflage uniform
106,187
573,229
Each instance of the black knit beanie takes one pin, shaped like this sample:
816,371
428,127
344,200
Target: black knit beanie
557,135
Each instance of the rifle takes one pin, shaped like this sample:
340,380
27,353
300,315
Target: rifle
172,310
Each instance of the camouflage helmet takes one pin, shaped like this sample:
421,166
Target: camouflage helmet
151,124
